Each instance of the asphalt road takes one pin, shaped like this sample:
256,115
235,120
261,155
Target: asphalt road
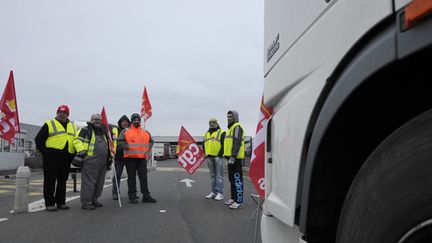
182,214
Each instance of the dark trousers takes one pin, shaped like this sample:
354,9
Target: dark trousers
134,165
56,171
235,176
119,166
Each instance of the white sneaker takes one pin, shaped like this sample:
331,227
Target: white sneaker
211,195
229,202
235,205
219,197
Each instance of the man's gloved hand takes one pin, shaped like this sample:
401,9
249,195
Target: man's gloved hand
77,161
82,154
231,161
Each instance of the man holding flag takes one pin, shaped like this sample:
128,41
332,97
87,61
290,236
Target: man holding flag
119,165
93,142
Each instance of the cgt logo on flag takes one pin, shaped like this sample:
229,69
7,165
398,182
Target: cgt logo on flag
9,121
256,170
190,154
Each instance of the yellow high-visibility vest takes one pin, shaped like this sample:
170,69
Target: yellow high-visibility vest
115,136
84,144
212,142
58,136
229,141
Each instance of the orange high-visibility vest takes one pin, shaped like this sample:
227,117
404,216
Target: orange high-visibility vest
138,142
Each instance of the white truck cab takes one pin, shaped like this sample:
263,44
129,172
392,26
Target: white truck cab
348,82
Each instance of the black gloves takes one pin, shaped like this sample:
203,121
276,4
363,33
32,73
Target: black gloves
82,154
77,161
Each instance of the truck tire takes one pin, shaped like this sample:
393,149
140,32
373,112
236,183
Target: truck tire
390,199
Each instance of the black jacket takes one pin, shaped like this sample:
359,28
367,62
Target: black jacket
119,151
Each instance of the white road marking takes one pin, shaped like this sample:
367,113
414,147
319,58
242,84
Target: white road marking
162,211
39,205
3,219
170,169
187,181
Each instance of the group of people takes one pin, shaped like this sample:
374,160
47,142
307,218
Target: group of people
220,146
61,144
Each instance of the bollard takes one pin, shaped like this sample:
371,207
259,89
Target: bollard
22,190
74,177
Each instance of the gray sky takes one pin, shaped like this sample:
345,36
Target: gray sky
197,58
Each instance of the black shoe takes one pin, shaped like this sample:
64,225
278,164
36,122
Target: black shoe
87,206
97,204
137,197
133,201
115,196
63,206
51,208
148,199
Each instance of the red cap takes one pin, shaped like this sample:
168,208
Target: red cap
64,108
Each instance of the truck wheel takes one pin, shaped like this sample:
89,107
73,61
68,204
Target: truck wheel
390,199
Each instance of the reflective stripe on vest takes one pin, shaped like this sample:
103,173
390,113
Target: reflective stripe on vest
212,142
58,136
229,141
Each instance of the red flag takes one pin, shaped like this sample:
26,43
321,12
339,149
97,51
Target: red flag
105,123
256,170
146,108
190,155
9,123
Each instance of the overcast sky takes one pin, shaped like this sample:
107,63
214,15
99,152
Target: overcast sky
198,59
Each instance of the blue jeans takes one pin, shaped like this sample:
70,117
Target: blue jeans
216,167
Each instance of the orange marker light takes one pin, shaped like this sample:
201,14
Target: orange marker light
416,11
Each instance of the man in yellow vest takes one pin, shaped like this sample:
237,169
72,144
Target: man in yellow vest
213,150
55,141
93,142
234,152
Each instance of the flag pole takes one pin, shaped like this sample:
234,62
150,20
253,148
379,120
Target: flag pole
111,146
116,181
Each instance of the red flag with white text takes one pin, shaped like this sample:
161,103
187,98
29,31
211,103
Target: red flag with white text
146,108
190,155
256,170
9,123
105,123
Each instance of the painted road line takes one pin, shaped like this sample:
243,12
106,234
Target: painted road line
39,205
171,169
5,191
3,219
35,194
37,180
7,186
